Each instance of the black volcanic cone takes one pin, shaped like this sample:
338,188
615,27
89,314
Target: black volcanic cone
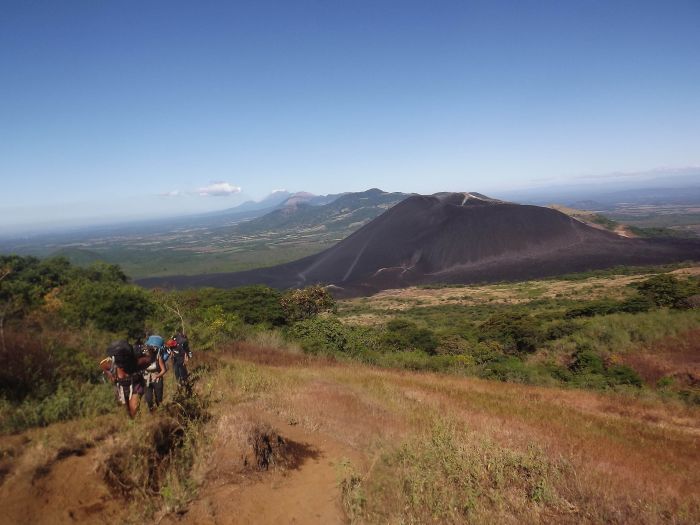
455,238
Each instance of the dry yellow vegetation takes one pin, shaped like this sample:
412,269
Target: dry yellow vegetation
349,443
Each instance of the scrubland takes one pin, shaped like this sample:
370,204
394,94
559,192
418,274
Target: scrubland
380,446
564,401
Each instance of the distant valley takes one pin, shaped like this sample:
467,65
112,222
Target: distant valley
458,238
282,228
285,227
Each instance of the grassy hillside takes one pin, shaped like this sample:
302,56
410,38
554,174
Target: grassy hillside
369,446
572,400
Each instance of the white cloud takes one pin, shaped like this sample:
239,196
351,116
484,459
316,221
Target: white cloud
174,193
279,191
218,189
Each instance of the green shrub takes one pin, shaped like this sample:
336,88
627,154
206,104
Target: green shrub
406,335
514,330
306,303
601,307
589,370
623,375
559,329
70,400
112,307
667,290
507,369
252,304
319,335
587,362
636,304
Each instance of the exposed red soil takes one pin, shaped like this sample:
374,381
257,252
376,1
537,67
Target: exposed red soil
677,357
303,489
65,488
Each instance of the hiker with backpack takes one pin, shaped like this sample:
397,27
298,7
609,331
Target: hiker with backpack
180,351
153,375
123,367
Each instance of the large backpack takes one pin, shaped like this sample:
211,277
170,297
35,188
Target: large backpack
155,340
125,357
183,344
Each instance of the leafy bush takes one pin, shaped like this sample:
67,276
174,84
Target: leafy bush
506,368
667,290
320,335
252,304
601,307
514,330
589,370
112,307
406,335
587,362
217,327
299,305
636,304
559,329
623,375
70,400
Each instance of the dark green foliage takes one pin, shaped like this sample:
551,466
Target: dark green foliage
605,222
505,368
42,384
601,307
632,305
559,329
636,304
252,304
587,362
486,352
112,307
623,375
406,335
667,290
25,281
589,370
514,330
658,231
298,305
98,293
320,335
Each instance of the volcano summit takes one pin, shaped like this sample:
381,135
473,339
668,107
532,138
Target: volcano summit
455,238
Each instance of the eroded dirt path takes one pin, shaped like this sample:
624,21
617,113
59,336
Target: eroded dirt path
306,492
57,488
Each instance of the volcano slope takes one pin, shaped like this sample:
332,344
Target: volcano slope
454,238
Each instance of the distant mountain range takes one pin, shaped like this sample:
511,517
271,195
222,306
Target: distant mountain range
454,238
345,212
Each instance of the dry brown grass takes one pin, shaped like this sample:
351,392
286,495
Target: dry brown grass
416,447
603,458
397,300
677,358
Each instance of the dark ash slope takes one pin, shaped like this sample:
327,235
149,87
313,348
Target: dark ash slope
455,238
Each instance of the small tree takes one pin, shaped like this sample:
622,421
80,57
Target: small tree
665,290
515,331
406,335
298,305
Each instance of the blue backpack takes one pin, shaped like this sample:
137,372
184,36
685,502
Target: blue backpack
157,341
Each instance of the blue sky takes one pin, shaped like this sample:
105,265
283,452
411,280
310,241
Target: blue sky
106,107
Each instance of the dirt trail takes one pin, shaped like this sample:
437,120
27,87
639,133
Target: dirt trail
306,493
64,489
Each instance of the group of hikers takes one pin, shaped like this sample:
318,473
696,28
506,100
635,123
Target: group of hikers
138,370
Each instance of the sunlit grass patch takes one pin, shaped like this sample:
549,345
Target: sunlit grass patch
447,475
